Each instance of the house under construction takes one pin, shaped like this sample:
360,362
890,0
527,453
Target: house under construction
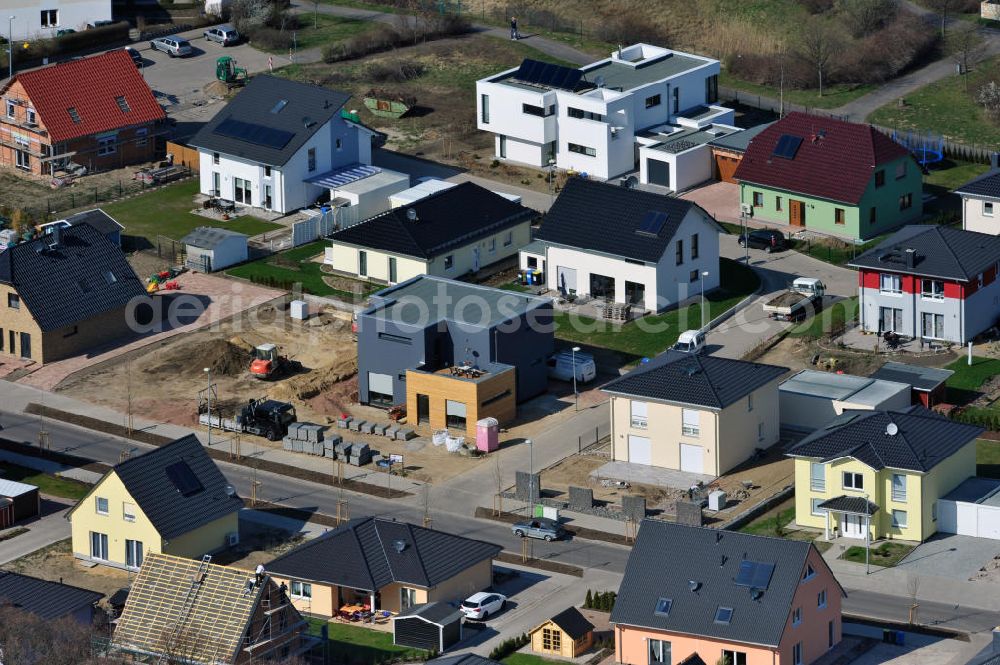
186,611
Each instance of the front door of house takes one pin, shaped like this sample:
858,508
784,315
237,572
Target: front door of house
796,213
852,526
890,319
25,345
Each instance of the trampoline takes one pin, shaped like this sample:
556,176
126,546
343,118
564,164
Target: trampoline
926,148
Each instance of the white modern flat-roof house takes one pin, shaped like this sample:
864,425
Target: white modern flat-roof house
279,144
588,119
44,18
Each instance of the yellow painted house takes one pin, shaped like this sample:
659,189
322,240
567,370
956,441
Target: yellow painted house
699,414
377,564
171,500
881,470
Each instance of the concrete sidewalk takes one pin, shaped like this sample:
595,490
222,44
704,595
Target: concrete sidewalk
42,532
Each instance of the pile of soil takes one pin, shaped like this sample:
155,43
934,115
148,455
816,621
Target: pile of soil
319,380
223,357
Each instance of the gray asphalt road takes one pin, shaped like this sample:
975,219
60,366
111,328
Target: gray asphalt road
450,515
896,608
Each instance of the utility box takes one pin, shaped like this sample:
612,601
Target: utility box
298,309
717,500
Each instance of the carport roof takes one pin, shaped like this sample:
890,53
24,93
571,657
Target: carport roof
922,439
738,141
923,379
985,491
12,488
985,186
856,389
435,612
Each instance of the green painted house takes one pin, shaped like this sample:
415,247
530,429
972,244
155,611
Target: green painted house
829,176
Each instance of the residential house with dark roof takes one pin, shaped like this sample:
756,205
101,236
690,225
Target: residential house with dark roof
48,600
829,176
625,245
269,146
453,352
695,413
381,564
700,595
172,499
981,203
930,282
97,112
453,232
64,293
107,225
881,470
567,634
204,614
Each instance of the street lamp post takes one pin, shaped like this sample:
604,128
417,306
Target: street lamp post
552,169
531,477
10,47
208,399
704,274
576,394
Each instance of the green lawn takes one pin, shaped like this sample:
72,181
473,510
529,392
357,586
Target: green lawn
885,555
354,645
650,335
167,212
970,377
831,318
945,108
772,523
988,458
296,266
528,659
46,483
322,29
833,96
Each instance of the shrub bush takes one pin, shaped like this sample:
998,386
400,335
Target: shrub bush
270,39
509,646
386,37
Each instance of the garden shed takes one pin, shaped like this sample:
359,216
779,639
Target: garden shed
567,634
430,626
18,501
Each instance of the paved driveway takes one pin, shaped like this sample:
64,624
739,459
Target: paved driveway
952,556
51,527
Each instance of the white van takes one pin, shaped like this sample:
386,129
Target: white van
690,341
561,366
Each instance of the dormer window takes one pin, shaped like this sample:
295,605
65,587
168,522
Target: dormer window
73,115
122,104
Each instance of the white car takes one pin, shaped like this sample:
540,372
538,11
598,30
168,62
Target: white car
561,366
690,341
481,605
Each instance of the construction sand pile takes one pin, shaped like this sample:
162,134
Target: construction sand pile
223,357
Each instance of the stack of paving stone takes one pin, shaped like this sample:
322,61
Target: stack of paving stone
310,439
361,454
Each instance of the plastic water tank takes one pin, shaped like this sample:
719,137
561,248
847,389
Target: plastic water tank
487,434
298,309
717,500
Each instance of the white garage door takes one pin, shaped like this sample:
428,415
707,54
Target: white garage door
969,519
639,451
380,383
692,458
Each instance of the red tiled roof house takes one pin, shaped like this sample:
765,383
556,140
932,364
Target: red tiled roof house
830,176
95,111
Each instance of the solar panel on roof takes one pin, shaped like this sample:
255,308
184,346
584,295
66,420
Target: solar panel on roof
652,223
762,575
183,478
254,133
548,75
745,574
787,146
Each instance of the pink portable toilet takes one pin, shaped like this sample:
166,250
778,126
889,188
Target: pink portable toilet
487,435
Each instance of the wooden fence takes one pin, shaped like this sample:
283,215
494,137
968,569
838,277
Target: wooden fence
183,155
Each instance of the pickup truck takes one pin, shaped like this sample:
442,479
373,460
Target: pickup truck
804,296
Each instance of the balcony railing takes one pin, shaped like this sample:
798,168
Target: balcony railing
638,422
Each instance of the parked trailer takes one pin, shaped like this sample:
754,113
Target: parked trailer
263,417
804,295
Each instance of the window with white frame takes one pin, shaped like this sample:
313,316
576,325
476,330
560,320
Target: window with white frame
301,589
50,18
932,289
101,505
449,262
98,546
128,511
853,481
107,145
31,116
732,657
690,422
11,109
639,410
581,149
817,476
931,325
899,519
988,208
809,574
492,245
659,652
815,509
889,283
899,487
760,431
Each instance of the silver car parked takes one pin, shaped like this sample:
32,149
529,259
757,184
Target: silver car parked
172,46
224,34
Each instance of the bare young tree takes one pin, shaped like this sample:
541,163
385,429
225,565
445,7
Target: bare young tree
966,45
989,96
912,588
863,17
26,639
942,8
817,45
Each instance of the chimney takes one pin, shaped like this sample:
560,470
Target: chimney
995,161
911,257
996,640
